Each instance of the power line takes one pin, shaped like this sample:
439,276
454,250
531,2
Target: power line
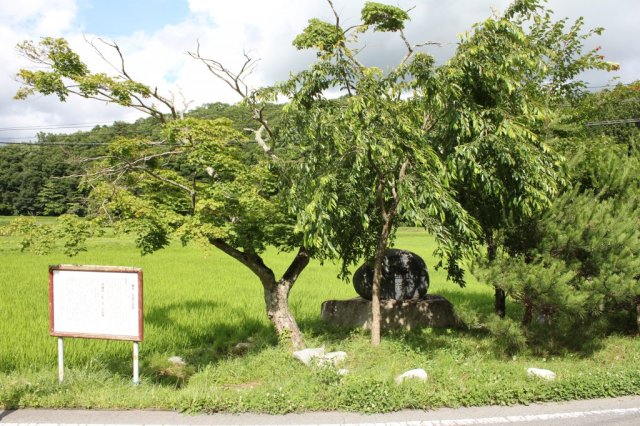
610,85
54,143
55,126
609,122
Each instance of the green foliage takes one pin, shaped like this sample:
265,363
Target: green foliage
509,336
383,17
66,66
319,35
619,103
365,158
576,266
69,232
34,180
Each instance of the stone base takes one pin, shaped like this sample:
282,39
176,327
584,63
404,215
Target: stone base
433,311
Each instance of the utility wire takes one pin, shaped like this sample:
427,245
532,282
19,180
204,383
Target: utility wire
609,122
603,86
57,143
56,126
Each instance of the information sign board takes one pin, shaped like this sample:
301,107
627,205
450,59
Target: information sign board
101,302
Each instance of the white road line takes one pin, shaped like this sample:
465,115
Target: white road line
449,422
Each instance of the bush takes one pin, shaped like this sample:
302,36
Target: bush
575,268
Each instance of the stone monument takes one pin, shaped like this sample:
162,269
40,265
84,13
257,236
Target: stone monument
403,293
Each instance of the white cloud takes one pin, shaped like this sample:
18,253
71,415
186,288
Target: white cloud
265,30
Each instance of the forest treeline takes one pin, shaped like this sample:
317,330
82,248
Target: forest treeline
43,178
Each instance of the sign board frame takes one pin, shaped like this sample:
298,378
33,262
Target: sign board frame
59,295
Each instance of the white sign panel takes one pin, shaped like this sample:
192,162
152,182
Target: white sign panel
96,302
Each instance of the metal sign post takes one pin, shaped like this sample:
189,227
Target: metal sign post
60,360
136,353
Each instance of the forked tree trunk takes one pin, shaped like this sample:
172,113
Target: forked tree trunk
276,292
388,215
276,298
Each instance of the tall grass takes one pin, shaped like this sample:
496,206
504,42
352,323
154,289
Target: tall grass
193,297
199,304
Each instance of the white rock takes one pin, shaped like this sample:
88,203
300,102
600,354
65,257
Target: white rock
332,358
542,373
176,360
343,372
306,355
417,373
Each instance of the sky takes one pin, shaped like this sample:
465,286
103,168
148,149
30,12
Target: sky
155,36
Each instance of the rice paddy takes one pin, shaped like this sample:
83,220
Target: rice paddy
199,304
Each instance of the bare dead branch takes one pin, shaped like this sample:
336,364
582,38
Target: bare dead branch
123,73
235,80
335,13
411,49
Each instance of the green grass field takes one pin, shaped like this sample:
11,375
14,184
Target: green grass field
200,303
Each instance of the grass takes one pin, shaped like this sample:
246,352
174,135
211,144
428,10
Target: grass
200,303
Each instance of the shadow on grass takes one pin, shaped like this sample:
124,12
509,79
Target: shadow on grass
501,339
200,346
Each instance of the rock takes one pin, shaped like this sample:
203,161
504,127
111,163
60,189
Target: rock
418,374
542,373
241,348
433,311
332,358
305,356
404,276
177,361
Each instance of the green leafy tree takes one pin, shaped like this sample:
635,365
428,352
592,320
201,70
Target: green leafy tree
457,148
194,182
500,95
366,158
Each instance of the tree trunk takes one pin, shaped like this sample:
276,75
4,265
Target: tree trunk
376,317
276,292
638,313
276,297
528,314
500,302
388,215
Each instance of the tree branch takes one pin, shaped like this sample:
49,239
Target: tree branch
251,260
261,142
411,49
122,71
297,266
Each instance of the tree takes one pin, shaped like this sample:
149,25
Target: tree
368,157
576,264
218,197
429,143
610,112
502,91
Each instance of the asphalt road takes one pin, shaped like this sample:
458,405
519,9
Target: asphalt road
613,411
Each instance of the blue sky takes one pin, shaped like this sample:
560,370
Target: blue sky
114,18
